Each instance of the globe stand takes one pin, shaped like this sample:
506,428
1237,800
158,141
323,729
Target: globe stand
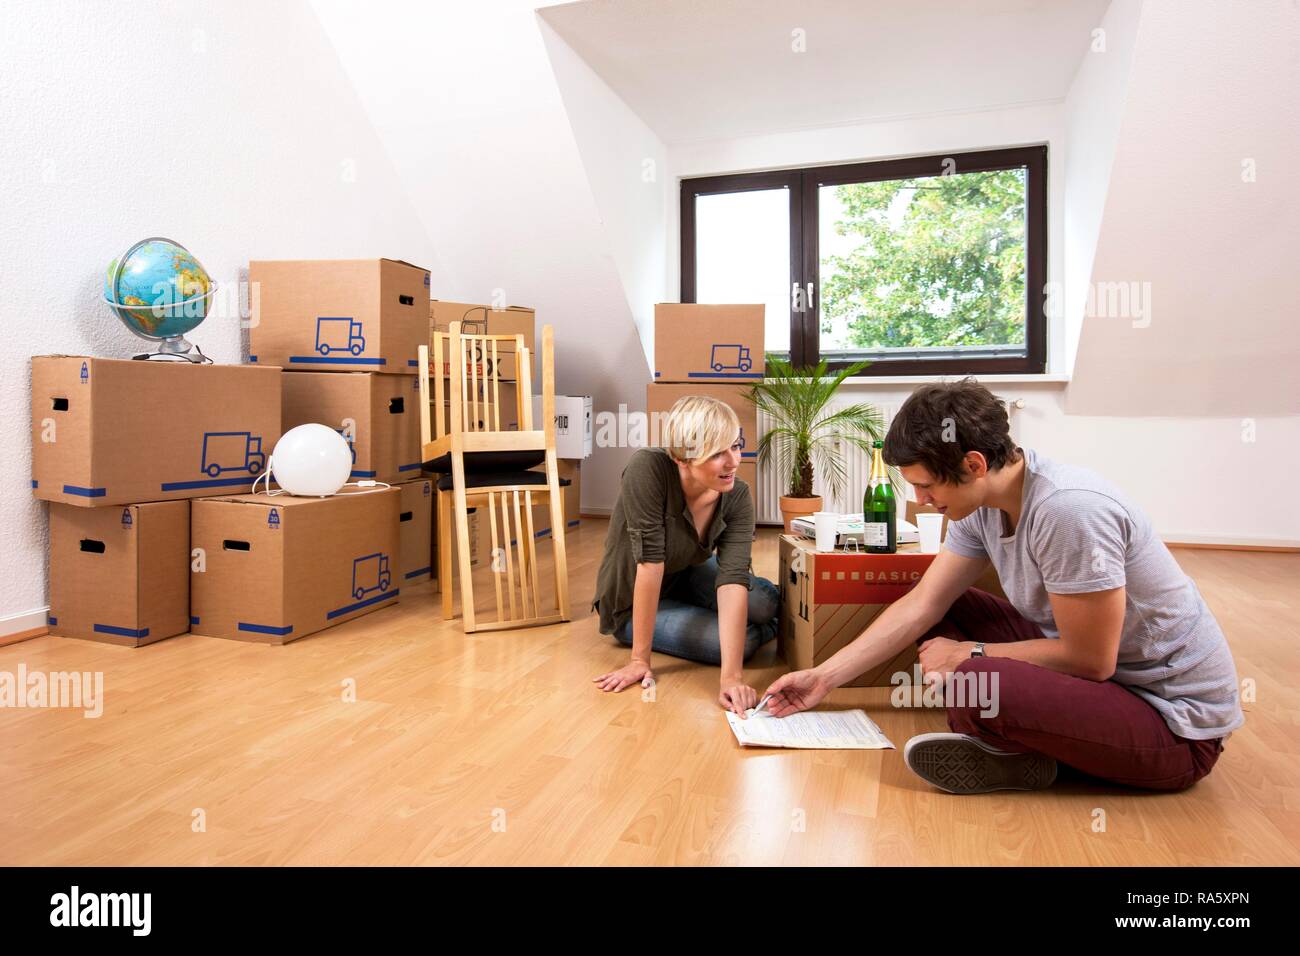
175,348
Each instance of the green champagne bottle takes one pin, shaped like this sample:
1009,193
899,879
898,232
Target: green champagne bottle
879,511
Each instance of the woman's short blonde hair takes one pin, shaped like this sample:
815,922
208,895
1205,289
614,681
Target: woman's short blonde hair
698,427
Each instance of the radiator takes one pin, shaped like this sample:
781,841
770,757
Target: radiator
857,469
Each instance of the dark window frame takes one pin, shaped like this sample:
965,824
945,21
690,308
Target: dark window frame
803,184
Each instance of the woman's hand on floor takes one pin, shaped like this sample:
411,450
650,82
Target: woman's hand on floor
796,691
635,672
737,697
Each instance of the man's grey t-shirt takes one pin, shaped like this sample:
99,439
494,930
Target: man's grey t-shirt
1077,534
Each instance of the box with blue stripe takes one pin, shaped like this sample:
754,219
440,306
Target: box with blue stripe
120,575
378,416
348,315
416,531
114,432
276,568
709,343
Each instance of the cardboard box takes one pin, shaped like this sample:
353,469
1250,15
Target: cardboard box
280,568
478,319
378,414
415,530
572,470
572,424
748,473
479,539
828,599
112,431
661,398
708,343
364,315
120,575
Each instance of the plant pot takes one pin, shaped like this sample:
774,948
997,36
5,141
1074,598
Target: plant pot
792,508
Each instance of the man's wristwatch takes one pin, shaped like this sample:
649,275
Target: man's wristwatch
978,650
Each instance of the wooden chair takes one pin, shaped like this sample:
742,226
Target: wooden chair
481,462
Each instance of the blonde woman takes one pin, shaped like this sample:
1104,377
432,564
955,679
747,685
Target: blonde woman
675,577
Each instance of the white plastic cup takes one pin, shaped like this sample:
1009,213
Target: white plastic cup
930,525
826,523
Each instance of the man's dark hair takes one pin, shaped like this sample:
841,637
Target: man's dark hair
939,423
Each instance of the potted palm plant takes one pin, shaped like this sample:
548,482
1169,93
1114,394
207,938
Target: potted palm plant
807,435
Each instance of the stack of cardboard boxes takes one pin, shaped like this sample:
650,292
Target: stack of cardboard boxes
714,350
118,449
343,337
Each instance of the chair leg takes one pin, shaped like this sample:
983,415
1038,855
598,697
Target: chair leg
445,575
461,508
557,537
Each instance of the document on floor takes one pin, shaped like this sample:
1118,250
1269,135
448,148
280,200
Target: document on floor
811,730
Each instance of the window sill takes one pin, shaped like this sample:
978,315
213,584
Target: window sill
988,379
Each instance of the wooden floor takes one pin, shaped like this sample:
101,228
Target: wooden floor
497,749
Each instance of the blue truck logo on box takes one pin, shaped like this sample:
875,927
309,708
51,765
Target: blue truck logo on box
339,334
126,518
730,356
370,573
232,451
273,519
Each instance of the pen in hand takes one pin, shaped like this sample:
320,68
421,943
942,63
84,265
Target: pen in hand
761,704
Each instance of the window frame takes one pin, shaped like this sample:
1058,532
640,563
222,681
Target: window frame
803,184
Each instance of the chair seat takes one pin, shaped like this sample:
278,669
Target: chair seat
481,461
489,479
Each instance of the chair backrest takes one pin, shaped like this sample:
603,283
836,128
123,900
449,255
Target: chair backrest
466,383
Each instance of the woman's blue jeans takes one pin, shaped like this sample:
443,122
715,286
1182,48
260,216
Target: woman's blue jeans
686,624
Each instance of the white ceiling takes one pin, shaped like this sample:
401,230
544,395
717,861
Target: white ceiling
712,69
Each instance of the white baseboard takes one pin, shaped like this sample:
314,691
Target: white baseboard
24,621
1174,538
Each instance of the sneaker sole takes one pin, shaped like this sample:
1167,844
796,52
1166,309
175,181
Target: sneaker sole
959,764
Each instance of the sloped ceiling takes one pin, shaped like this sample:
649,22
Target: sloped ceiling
1201,222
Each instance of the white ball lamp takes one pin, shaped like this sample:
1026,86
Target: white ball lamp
313,461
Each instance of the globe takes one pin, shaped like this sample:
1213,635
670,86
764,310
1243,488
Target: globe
160,292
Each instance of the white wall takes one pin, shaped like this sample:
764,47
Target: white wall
466,100
227,126
1094,110
626,168
1202,216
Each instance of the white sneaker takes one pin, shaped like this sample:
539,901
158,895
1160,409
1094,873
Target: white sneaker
958,763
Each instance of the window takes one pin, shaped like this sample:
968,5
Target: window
929,265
